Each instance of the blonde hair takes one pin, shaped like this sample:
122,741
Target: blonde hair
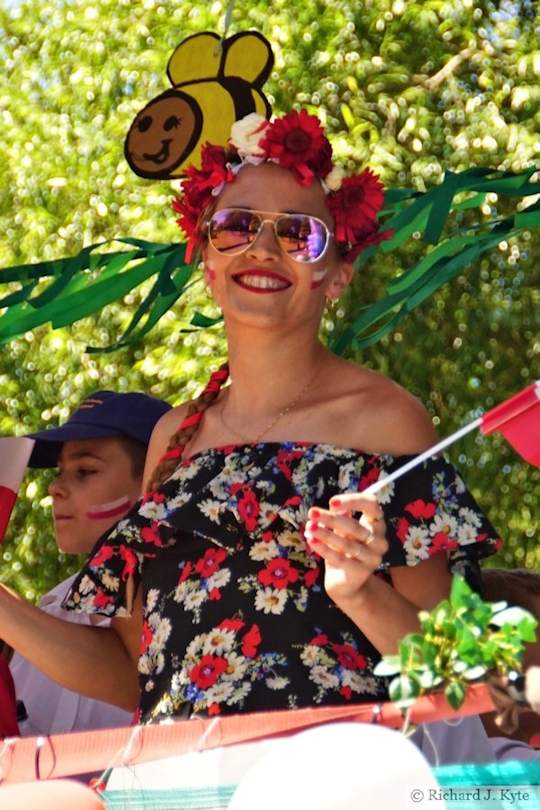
169,460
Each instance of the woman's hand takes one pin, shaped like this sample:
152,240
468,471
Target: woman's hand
352,549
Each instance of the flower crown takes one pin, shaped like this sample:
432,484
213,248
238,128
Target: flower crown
295,142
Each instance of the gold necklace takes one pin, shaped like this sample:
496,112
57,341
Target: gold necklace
280,415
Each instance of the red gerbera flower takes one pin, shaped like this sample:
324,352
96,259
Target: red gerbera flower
355,207
297,142
197,190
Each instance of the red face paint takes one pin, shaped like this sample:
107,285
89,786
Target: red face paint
318,278
109,510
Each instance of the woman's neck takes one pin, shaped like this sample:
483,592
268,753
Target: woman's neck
266,372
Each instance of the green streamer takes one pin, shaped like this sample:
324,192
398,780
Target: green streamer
62,291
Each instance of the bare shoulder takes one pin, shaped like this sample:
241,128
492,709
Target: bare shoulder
384,417
164,429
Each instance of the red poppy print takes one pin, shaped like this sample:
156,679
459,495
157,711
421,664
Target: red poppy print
402,529
208,671
421,509
150,534
146,638
211,561
101,600
251,641
320,640
102,555
279,573
249,509
130,559
231,624
348,657
442,542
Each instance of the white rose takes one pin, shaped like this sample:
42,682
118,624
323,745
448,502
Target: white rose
246,134
334,179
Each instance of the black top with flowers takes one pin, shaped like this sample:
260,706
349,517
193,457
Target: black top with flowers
236,617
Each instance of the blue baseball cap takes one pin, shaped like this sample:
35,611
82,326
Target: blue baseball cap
100,416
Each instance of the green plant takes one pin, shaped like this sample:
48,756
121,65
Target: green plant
461,641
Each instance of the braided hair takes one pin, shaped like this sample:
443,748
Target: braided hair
169,460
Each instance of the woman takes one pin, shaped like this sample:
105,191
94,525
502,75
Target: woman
260,574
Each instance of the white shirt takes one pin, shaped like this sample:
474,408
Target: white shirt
52,709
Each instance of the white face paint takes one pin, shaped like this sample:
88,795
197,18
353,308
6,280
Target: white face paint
105,511
318,277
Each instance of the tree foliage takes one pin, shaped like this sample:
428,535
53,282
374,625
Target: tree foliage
410,88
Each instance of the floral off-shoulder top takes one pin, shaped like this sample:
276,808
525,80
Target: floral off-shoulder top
236,617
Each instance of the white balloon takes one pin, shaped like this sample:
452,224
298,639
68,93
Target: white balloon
339,766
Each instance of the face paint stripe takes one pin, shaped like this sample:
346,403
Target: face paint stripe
109,510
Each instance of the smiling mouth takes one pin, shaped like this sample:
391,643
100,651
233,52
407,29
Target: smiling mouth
161,156
261,282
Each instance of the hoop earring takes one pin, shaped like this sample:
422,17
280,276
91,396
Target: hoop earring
330,305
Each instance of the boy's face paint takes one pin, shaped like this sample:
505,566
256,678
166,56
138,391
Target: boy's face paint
94,488
113,509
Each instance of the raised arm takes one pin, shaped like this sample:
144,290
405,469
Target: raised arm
397,424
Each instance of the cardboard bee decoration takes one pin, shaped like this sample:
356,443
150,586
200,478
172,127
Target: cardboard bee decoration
214,84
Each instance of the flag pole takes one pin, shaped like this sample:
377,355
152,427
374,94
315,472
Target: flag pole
414,462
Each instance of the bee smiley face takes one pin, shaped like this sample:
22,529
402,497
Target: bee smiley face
163,134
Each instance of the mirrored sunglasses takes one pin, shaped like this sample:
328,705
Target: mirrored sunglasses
302,237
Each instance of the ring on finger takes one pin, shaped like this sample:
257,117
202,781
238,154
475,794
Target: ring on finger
369,538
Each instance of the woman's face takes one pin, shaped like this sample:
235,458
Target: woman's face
263,281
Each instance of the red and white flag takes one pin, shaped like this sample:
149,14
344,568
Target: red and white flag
517,418
14,456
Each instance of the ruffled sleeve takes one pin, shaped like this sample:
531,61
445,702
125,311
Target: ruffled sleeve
430,510
110,578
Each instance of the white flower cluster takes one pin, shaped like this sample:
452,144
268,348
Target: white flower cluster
246,135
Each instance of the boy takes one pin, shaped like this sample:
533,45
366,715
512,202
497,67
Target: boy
100,454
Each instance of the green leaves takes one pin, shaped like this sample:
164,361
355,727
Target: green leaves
459,645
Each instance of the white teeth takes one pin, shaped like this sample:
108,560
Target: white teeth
263,282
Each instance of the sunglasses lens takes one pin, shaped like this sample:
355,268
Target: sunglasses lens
301,237
232,229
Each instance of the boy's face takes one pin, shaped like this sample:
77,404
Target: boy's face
94,488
